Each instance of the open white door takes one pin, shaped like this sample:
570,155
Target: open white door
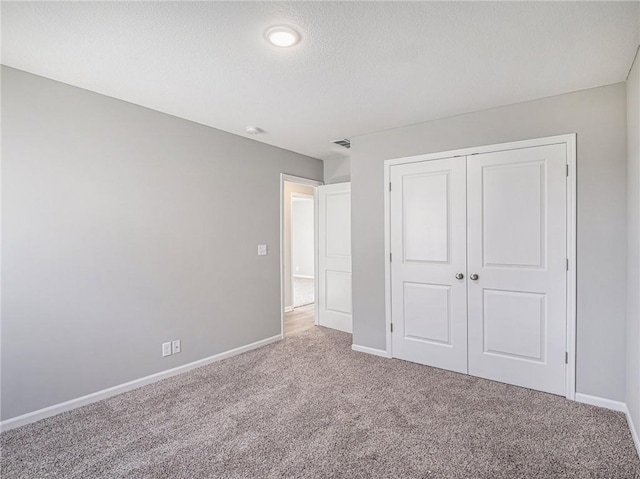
334,256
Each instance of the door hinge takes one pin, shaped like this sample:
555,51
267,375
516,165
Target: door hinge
390,257
389,186
567,170
567,264
566,357
392,327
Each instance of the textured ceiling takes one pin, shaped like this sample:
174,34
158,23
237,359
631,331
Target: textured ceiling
361,67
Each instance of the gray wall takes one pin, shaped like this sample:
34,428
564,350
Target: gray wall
124,228
633,212
337,171
598,116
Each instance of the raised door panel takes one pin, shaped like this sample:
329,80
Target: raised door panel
338,224
338,292
520,336
425,217
427,313
514,201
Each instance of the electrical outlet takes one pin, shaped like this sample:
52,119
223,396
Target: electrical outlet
262,250
176,346
166,349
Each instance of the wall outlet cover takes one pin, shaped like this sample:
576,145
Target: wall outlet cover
262,250
176,346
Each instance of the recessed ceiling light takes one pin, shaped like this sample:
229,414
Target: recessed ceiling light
282,36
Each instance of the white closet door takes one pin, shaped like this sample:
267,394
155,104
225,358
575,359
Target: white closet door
334,258
517,248
428,246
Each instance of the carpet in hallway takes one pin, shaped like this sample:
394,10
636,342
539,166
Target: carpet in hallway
303,291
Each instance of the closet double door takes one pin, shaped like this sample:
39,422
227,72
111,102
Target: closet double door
479,260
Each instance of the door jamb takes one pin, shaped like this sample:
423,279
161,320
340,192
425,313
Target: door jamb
569,141
302,181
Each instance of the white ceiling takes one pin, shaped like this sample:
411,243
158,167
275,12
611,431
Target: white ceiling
361,67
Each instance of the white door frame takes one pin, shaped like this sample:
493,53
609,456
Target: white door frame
570,142
302,181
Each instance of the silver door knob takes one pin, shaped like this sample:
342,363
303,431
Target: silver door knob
459,276
474,276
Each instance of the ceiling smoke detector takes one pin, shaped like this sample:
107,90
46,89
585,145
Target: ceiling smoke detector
343,142
253,130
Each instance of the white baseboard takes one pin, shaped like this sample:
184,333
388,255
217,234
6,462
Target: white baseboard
374,351
303,276
122,388
288,309
601,402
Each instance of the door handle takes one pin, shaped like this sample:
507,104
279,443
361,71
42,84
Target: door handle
459,276
474,276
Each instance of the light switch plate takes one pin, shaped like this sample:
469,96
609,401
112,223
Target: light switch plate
262,250
166,349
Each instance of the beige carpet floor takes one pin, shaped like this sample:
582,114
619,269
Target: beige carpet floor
310,407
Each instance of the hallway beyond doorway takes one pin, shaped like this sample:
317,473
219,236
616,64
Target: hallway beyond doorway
299,320
303,291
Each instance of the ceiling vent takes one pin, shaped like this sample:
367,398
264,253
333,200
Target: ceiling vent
344,142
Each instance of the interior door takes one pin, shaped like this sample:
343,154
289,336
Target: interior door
517,266
334,256
428,248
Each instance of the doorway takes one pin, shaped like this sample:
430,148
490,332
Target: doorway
298,254
302,250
